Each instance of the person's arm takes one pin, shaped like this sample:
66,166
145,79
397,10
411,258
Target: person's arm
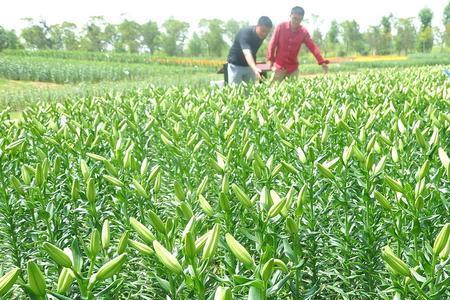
273,46
251,62
316,52
246,49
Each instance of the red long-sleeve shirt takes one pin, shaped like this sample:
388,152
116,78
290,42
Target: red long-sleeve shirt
285,46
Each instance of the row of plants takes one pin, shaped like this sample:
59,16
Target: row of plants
332,187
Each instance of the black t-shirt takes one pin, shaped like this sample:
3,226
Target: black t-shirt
246,38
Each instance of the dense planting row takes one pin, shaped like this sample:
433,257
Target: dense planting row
75,71
119,57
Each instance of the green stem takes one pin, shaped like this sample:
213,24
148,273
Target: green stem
83,285
421,292
433,273
91,267
416,246
173,289
200,288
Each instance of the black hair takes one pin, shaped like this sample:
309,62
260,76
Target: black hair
298,10
265,21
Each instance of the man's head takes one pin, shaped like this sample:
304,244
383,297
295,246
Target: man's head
297,14
263,27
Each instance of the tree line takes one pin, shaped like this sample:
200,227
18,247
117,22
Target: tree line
213,36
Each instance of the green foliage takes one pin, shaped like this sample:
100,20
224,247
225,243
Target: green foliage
8,39
425,36
216,35
196,46
93,39
261,191
151,36
213,32
425,40
351,37
425,17
446,17
36,36
406,36
130,33
446,37
331,38
373,37
74,71
386,38
231,29
174,36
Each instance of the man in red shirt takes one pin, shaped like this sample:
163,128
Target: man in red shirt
285,46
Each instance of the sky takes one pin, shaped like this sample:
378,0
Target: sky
366,13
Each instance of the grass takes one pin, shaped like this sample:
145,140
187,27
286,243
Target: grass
6,84
15,85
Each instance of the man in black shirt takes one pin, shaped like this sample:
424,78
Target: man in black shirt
242,55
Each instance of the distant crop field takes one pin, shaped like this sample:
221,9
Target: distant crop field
65,71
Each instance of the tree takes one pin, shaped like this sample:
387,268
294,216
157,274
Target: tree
196,46
446,21
56,37
425,17
316,23
3,39
111,38
352,37
231,29
13,40
331,38
439,37
36,36
130,35
374,37
386,40
213,36
405,39
425,40
174,36
93,34
8,39
69,36
318,38
150,35
446,36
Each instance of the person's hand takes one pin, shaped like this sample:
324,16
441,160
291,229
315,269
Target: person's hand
257,73
325,68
